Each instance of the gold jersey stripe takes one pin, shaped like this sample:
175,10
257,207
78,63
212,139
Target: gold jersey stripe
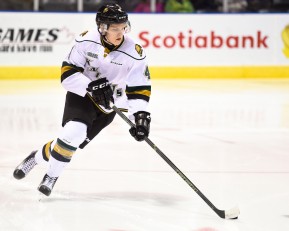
142,92
65,69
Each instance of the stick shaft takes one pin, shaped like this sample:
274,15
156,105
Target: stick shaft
220,213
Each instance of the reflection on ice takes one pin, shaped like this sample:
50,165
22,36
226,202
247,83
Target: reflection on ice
229,137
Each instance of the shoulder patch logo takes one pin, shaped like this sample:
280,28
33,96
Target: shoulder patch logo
93,55
139,49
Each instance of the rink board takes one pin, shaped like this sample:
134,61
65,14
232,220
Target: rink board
33,45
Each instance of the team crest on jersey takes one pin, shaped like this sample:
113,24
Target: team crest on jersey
139,49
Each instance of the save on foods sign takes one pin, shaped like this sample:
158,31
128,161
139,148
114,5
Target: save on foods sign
190,45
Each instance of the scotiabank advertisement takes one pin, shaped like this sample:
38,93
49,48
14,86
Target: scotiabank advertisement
217,39
31,39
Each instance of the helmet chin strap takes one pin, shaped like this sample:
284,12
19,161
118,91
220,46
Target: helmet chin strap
106,40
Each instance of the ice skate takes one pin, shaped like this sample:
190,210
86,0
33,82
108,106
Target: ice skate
25,166
47,184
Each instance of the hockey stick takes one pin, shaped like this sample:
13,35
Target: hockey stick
226,214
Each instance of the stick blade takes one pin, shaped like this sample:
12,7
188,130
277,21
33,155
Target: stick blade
232,213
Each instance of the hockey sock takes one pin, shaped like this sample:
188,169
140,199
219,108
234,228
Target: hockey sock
43,154
60,157
55,167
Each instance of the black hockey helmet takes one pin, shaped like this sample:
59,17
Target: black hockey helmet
111,13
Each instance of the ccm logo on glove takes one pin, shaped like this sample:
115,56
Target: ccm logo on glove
100,86
101,92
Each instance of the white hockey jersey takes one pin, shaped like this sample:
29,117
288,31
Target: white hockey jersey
125,67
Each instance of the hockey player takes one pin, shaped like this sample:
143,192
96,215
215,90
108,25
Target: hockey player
104,65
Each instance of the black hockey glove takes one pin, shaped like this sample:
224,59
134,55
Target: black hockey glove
142,125
101,92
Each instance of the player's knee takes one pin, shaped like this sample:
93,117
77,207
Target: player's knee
73,133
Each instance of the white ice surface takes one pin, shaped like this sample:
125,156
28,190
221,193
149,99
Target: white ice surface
230,138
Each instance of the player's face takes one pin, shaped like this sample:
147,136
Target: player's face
115,33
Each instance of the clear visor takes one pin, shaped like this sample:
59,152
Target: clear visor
104,28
